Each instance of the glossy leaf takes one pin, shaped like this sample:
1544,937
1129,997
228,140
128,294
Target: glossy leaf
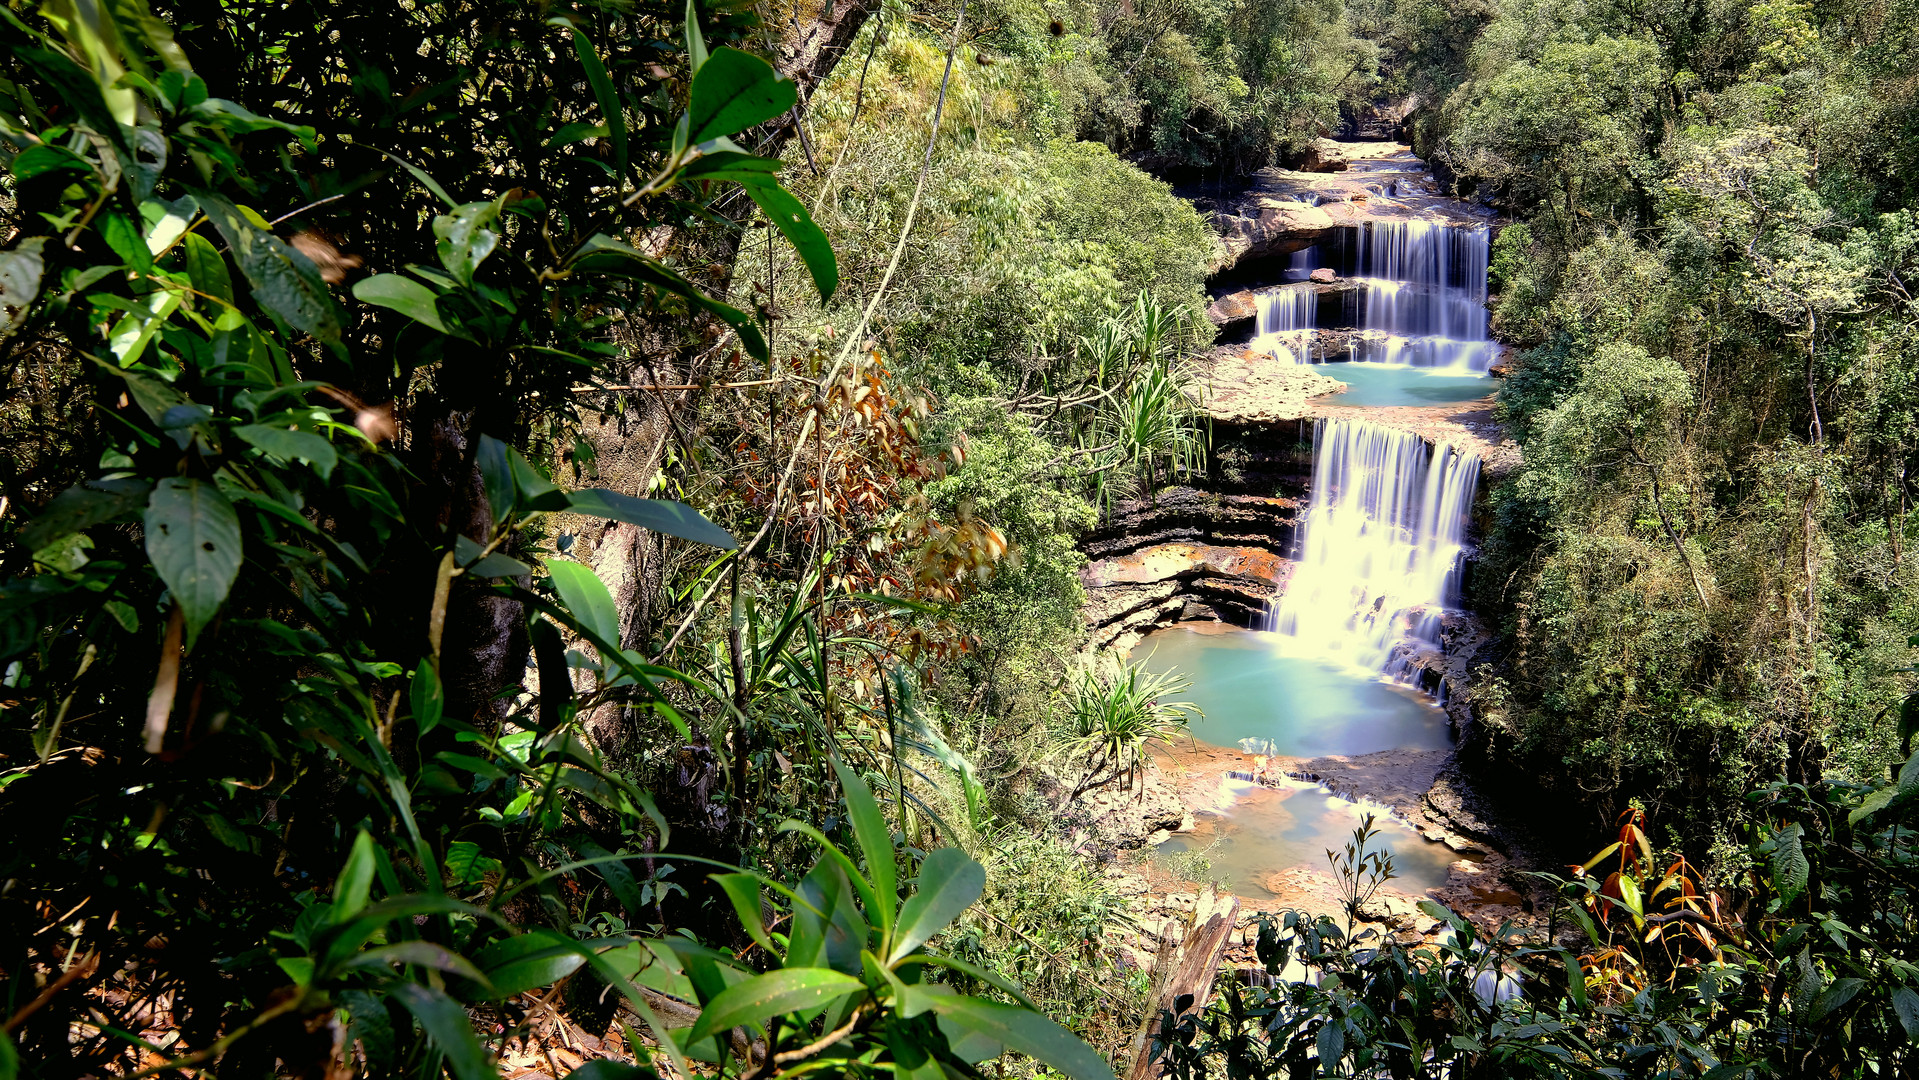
659,515
875,840
527,962
769,995
585,597
734,165
426,696
950,881
1906,1004
207,268
463,238
790,216
733,91
608,99
744,891
404,295
496,475
193,538
603,254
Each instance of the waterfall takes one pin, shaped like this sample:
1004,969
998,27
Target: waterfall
1424,303
1285,323
1379,556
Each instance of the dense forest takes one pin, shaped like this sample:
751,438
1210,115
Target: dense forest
547,539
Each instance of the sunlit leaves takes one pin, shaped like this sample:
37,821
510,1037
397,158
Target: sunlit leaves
733,91
284,281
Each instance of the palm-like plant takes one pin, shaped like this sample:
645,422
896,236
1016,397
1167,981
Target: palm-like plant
1155,421
1120,713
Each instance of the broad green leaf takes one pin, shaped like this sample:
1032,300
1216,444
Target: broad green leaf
426,696
355,885
737,166
772,994
1575,979
1872,804
167,221
585,597
126,240
1908,781
1790,871
744,891
401,294
447,1024
86,504
733,91
608,98
193,538
463,240
285,282
9,1058
464,863
1025,1031
290,443
527,962
1835,997
206,268
242,121
659,515
44,158
1331,1043
875,840
20,270
423,954
949,882
790,216
1906,1004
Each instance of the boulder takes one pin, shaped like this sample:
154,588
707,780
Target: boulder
1325,275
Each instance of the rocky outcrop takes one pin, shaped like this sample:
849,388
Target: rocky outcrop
1183,556
1340,185
1246,387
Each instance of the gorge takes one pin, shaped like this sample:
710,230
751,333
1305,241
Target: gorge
1341,633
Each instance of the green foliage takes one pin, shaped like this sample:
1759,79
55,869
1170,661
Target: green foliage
1813,979
1120,715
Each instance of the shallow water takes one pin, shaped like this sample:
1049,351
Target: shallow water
1267,830
1263,702
1398,384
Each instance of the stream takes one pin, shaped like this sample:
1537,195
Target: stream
1336,667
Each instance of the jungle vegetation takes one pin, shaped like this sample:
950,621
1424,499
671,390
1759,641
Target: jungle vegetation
527,524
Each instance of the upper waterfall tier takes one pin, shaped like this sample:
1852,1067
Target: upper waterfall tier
1384,537
1419,300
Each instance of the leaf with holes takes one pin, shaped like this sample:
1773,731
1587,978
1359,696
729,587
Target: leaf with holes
193,538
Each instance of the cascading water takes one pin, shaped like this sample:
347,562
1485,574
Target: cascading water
1425,299
1379,557
1285,323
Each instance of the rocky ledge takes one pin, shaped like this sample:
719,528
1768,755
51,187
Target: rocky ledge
1348,184
1185,555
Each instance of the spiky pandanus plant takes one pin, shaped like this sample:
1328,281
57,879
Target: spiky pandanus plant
1120,712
